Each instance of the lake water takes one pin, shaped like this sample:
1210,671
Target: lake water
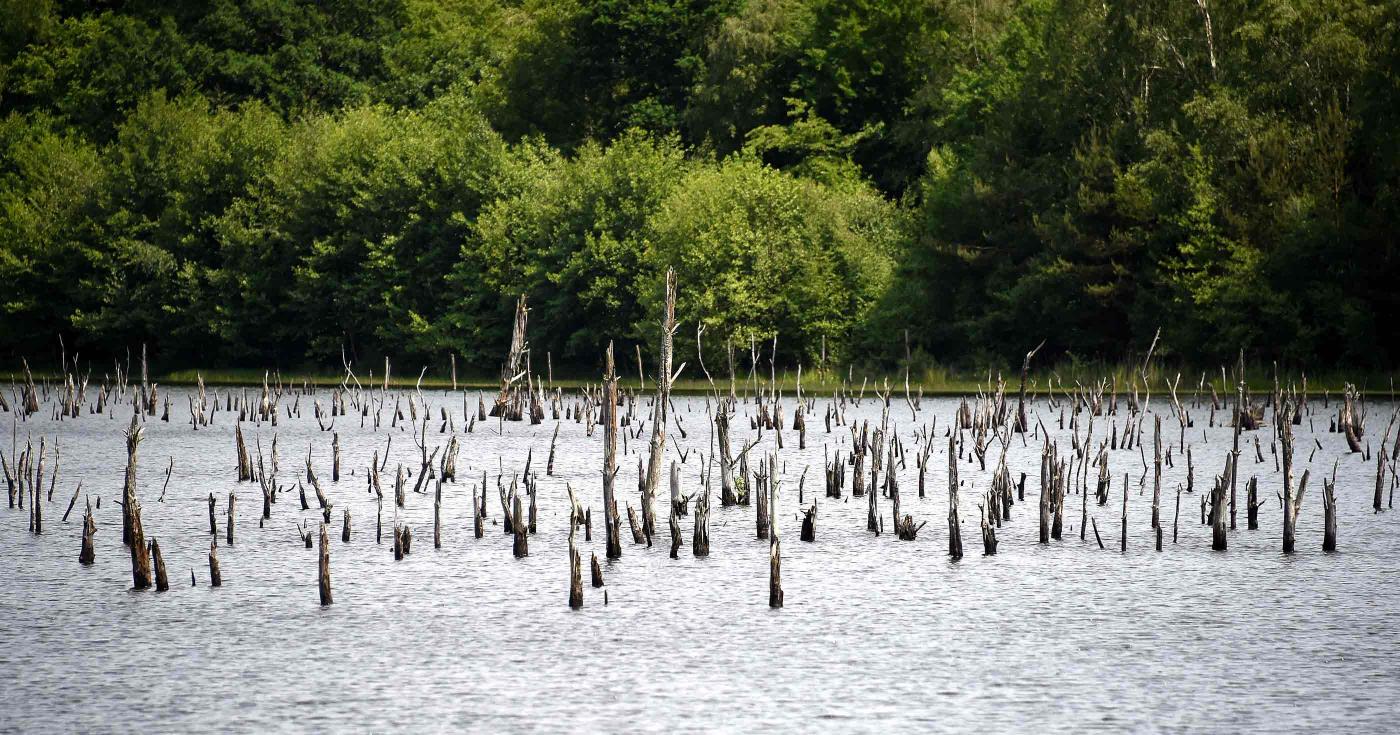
877,635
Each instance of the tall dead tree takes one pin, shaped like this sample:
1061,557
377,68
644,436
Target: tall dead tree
955,549
775,562
611,520
1283,423
1021,421
659,408
1380,480
1156,471
509,404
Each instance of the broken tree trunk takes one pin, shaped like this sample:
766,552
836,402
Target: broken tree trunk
597,572
809,523
229,527
323,568
162,582
508,402
521,546
659,408
215,578
1219,541
675,524
989,531
1021,422
1329,512
437,517
575,567
88,555
1156,472
700,536
245,463
727,494
611,521
1380,480
775,562
955,549
131,509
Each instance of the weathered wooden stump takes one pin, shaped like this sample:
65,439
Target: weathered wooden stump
162,583
323,567
597,572
215,578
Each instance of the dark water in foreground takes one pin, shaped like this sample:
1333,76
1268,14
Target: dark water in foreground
877,635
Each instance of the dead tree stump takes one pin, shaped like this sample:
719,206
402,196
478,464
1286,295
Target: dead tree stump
215,578
162,583
597,570
323,567
87,556
612,523
131,509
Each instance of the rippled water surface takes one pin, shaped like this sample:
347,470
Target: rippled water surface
877,635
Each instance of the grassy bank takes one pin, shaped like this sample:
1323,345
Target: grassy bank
933,380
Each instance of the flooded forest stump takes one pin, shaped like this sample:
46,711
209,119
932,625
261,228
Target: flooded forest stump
162,582
131,510
611,521
775,561
87,556
215,578
323,568
597,572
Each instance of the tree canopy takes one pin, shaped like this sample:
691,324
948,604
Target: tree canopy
245,181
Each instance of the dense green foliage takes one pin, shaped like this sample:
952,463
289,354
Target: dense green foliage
269,181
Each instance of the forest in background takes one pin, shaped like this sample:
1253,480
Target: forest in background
269,182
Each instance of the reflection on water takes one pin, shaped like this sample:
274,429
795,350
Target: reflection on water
876,634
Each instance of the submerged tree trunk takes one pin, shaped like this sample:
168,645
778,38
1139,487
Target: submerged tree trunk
611,520
131,510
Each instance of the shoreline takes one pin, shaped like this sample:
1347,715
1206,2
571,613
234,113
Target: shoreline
933,383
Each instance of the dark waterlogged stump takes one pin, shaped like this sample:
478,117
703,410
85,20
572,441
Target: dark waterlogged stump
521,545
478,510
597,572
131,508
1329,512
955,547
989,531
162,583
775,562
809,524
575,571
229,528
700,536
637,537
324,568
87,556
215,578
675,525
612,523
